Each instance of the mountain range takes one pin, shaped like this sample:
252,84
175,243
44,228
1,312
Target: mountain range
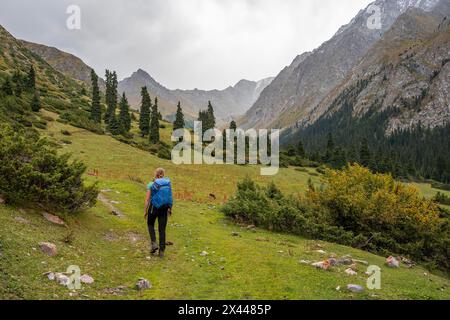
231,102
303,91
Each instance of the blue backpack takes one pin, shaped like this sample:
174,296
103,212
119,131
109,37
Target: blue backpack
162,193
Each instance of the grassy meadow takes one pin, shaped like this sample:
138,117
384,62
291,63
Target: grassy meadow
252,264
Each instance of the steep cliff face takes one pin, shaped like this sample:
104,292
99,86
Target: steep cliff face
407,70
64,62
294,95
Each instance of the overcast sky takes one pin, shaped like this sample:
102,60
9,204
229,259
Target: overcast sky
205,44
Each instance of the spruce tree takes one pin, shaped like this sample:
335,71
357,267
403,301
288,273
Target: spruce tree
144,117
7,87
124,115
364,154
233,125
31,79
179,118
211,119
111,95
35,103
301,149
96,110
113,126
154,123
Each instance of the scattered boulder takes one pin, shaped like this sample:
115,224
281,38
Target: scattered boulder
346,261
62,279
251,227
355,288
321,251
409,263
53,219
87,279
48,248
204,253
169,243
392,262
324,265
305,262
143,284
21,220
119,291
235,234
333,262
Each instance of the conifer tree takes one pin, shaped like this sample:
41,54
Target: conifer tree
7,87
154,123
124,115
301,149
31,79
179,118
364,154
211,119
144,117
111,95
96,110
233,125
35,103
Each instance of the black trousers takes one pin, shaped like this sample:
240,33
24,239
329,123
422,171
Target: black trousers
160,214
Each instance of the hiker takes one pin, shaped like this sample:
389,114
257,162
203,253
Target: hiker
158,205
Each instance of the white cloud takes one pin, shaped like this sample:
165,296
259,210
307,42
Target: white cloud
183,43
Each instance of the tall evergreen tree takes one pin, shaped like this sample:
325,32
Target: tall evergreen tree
124,115
301,149
233,125
330,149
144,117
179,118
96,110
31,78
154,123
364,154
7,87
35,102
111,95
211,119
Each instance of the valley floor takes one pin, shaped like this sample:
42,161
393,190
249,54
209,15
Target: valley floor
252,264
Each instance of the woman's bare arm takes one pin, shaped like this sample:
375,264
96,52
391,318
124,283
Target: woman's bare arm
148,199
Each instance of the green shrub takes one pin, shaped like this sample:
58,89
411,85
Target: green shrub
442,198
164,153
32,173
355,208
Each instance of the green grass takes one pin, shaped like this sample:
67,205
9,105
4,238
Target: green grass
257,265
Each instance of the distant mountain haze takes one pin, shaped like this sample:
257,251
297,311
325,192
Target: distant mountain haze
227,103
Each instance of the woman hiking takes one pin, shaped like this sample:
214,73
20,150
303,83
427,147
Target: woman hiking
158,205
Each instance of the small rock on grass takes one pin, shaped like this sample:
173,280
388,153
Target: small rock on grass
87,279
392,262
351,272
48,248
355,288
324,265
235,234
53,219
204,253
143,284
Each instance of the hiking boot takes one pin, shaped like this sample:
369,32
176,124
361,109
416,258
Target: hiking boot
154,248
161,254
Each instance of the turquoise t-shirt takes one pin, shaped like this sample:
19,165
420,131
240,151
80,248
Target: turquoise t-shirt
149,186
